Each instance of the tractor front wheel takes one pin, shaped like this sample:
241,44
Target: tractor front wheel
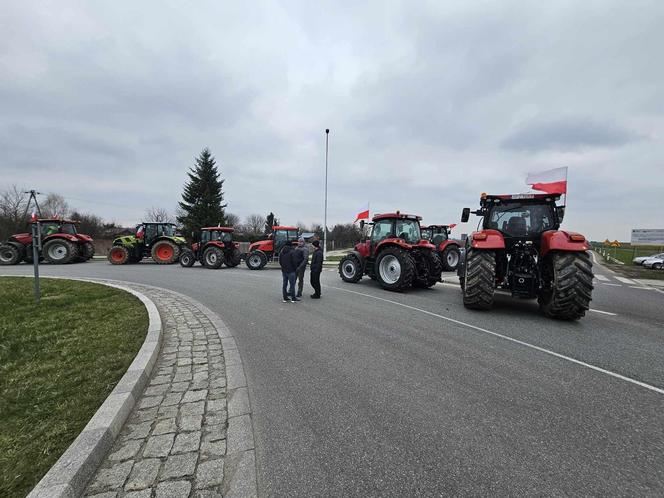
10,254
213,258
256,260
350,269
568,285
118,255
60,251
165,252
478,282
450,258
234,258
395,269
187,258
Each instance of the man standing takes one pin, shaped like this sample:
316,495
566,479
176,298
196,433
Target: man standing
316,269
287,262
301,260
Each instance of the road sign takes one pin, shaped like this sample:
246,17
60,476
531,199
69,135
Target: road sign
648,236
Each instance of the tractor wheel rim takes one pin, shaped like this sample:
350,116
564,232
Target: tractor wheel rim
254,260
212,258
452,258
390,269
348,269
165,252
6,255
57,251
117,255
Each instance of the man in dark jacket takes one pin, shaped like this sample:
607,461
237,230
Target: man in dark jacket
316,269
288,267
301,260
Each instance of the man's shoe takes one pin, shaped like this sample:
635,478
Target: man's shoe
298,295
314,296
296,300
286,300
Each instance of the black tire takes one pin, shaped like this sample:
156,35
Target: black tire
60,251
10,254
213,258
256,260
233,257
118,255
435,267
568,285
657,266
478,284
395,269
350,269
450,257
187,258
165,252
85,252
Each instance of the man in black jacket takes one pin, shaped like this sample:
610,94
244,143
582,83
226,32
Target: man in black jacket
316,269
288,267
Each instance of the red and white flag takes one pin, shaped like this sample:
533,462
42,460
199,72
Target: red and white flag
552,181
363,213
33,217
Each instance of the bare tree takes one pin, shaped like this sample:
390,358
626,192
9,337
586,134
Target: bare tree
55,206
13,202
232,220
157,215
254,223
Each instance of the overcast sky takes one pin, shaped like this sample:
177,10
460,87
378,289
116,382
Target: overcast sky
429,104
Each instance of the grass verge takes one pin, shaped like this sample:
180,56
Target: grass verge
58,363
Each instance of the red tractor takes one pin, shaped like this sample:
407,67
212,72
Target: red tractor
268,250
521,249
213,247
395,255
61,244
449,250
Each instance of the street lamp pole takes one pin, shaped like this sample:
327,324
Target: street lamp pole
327,137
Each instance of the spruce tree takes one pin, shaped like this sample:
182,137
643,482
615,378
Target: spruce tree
202,197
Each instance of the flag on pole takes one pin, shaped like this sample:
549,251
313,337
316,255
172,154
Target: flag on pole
363,213
552,181
33,217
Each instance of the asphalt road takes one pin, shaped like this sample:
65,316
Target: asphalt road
371,393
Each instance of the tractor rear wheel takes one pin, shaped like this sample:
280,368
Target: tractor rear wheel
10,254
60,251
350,269
256,260
118,255
434,269
478,283
165,252
187,258
233,258
568,285
213,258
395,269
450,257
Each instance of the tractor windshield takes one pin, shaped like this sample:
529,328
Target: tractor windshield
408,230
521,220
426,233
69,228
166,230
222,236
49,228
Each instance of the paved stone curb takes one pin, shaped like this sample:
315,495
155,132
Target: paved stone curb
70,474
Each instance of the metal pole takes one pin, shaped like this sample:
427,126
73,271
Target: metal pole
327,136
36,241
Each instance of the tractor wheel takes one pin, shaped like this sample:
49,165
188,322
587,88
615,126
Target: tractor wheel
450,258
568,285
60,251
187,258
234,258
395,269
10,254
213,258
85,252
256,260
165,252
479,280
434,269
118,255
350,269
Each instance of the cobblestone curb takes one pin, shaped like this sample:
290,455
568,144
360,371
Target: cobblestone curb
70,474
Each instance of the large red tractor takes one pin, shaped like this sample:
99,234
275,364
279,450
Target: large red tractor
213,247
395,255
61,244
521,249
268,250
449,250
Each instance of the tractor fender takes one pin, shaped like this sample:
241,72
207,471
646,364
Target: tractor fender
393,242
561,240
363,249
215,243
446,243
66,236
359,256
487,239
175,240
425,244
22,238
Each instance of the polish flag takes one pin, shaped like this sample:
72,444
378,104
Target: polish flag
552,181
139,232
363,213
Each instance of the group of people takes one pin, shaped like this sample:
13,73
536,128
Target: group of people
293,261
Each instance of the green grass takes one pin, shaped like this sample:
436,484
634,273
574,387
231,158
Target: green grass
626,254
58,362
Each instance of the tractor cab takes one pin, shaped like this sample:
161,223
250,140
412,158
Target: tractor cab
217,234
53,226
149,232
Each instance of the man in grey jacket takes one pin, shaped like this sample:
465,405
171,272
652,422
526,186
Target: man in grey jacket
301,260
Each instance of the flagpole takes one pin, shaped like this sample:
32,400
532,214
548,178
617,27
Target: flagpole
327,136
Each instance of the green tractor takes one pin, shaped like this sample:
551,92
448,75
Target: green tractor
159,241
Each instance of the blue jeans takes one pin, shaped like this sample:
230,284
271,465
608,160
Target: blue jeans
288,278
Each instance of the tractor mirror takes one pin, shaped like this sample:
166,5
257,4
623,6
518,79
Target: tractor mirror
465,215
361,224
560,211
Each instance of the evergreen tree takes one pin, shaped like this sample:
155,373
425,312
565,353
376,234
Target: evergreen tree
270,221
202,198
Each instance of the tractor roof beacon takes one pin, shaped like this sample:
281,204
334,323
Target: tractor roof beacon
448,249
160,241
395,255
520,249
213,247
268,250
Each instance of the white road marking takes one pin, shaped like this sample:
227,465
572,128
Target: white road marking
604,312
640,287
602,278
625,280
511,339
614,285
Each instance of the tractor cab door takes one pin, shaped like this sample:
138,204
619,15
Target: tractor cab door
439,237
205,238
150,232
382,229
